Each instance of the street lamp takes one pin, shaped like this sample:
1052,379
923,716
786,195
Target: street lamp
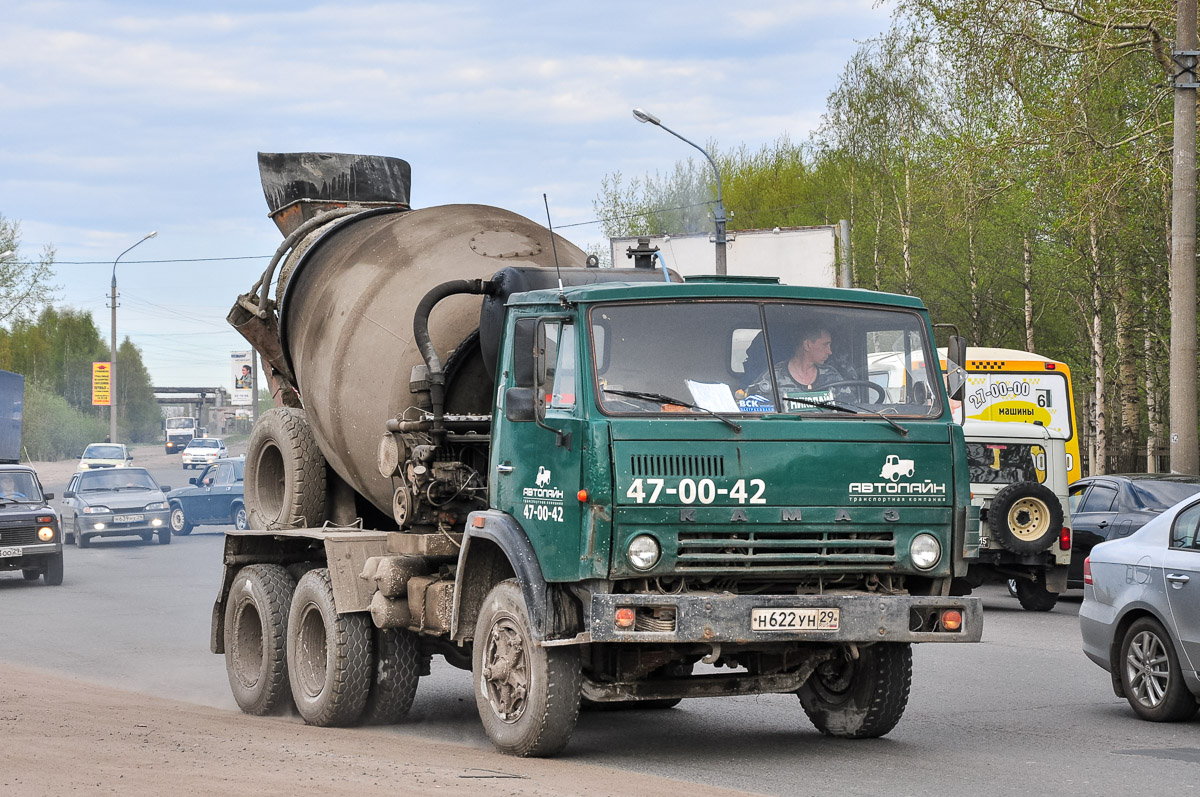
112,368
719,210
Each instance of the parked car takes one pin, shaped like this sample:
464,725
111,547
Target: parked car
203,451
215,498
105,455
1140,618
30,532
115,503
1114,506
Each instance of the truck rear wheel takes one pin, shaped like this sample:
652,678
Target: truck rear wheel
328,654
527,695
860,698
256,615
1025,517
1033,595
285,472
395,677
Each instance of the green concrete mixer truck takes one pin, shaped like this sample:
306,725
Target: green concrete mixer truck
585,486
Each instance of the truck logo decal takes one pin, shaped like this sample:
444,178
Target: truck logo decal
543,502
894,469
543,476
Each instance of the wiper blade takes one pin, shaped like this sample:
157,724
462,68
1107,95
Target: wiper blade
853,410
672,400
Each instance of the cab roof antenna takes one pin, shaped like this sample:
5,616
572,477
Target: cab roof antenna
561,293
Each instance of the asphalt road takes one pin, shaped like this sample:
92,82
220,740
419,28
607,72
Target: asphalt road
1022,712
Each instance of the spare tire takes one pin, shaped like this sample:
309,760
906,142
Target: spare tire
1025,517
285,472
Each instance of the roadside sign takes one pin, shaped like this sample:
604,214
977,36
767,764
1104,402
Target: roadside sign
101,384
243,379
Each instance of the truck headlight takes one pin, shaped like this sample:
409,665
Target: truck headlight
643,552
925,551
96,510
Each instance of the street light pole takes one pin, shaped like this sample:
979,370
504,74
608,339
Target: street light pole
112,367
719,210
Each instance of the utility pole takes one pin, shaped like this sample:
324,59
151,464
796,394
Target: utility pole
112,368
1185,453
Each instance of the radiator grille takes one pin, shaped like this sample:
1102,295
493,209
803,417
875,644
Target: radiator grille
784,550
18,535
678,465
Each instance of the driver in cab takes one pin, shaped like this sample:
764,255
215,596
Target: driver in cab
805,374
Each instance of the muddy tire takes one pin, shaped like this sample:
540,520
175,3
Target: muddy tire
328,655
179,522
860,698
285,472
256,614
1033,595
54,570
1151,676
394,678
1025,517
527,695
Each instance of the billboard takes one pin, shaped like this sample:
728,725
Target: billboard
242,369
101,384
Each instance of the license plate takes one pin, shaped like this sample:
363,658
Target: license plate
794,619
127,518
6,552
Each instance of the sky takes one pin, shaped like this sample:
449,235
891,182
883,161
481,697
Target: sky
122,118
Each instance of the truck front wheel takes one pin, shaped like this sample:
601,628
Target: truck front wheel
328,654
527,695
863,697
256,615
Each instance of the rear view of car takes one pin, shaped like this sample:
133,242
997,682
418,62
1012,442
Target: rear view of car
203,451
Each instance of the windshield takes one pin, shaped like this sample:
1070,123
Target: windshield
1006,463
119,479
19,486
1158,496
181,423
104,452
203,443
754,358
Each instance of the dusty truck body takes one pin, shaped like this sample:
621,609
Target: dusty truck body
580,484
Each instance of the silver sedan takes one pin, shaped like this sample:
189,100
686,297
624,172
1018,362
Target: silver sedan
1140,617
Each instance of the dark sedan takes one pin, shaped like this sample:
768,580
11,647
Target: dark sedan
215,498
1112,507
115,502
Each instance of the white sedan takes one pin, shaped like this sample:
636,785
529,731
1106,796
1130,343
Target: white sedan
203,451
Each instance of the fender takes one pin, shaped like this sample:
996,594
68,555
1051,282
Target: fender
488,535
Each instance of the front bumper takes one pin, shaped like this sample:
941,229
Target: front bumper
726,618
87,524
30,555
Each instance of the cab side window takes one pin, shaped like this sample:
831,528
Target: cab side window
1183,533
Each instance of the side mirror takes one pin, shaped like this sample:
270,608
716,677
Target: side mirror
519,404
523,359
48,496
68,494
166,488
956,360
194,481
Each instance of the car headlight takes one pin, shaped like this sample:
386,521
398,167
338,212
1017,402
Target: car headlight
156,506
643,552
95,510
46,533
925,551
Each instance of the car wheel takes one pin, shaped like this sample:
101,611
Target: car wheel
81,541
147,536
1034,596
241,521
54,570
1025,517
1151,676
179,522
30,574
1012,586
164,537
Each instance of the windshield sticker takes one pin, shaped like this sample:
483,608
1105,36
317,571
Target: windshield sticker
900,485
804,397
543,502
755,402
